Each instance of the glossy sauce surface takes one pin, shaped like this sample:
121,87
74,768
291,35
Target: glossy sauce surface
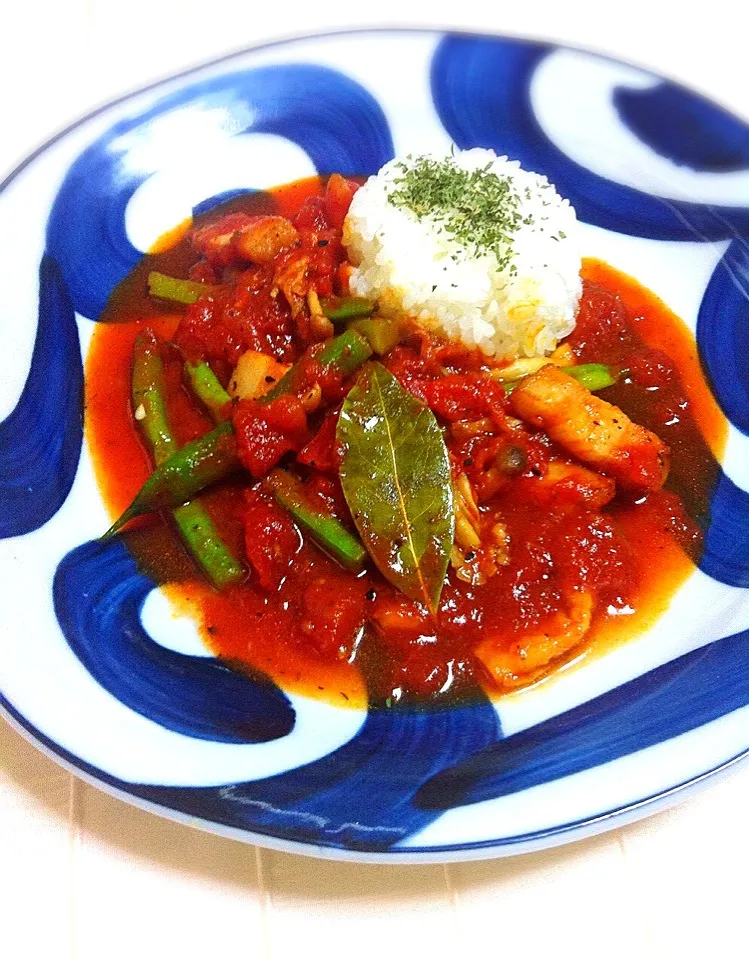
308,635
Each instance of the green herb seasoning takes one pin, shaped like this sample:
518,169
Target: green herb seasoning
479,208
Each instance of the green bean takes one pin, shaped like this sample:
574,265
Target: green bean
208,389
214,456
194,524
381,333
594,376
207,546
345,353
184,474
148,398
327,532
344,308
180,291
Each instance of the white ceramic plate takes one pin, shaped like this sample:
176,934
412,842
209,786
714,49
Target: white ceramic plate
92,665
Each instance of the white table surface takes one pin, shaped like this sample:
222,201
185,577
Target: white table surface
88,877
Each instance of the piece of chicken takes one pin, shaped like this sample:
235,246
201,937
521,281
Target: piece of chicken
530,655
240,237
292,279
569,484
594,431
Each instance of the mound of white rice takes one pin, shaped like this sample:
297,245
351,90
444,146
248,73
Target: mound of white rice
516,299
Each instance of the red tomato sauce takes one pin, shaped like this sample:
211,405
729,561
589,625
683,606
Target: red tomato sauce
308,632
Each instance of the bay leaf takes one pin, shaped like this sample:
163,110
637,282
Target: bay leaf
395,473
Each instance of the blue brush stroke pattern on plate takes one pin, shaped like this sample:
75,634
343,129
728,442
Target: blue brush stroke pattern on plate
99,595
680,696
723,333
725,554
722,337
684,128
205,206
41,439
358,797
332,118
481,88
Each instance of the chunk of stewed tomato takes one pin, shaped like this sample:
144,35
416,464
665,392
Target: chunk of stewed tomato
265,432
339,193
271,539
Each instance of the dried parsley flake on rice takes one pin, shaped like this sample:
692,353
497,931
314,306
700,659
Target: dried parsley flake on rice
470,245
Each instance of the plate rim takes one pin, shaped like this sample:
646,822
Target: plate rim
410,30
533,842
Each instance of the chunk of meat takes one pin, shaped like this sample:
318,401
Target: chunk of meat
568,484
530,655
216,240
594,431
399,617
263,240
292,279
239,237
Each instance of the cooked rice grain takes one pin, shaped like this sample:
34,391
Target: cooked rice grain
417,267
